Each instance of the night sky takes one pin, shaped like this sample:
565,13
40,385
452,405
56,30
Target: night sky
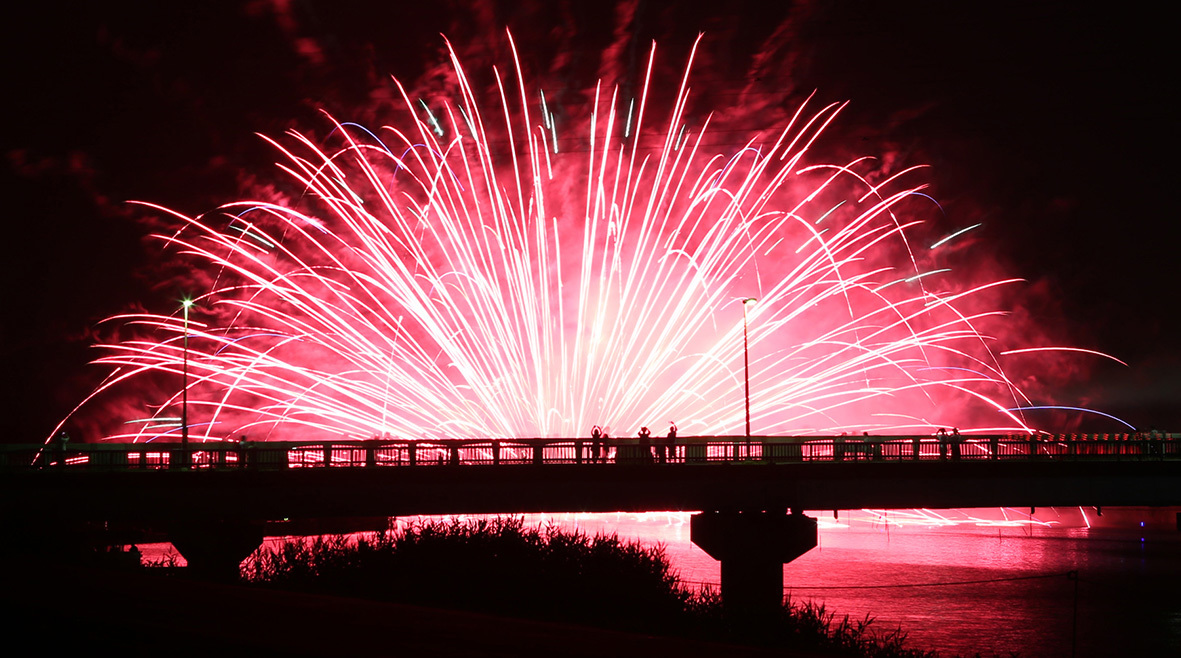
1046,122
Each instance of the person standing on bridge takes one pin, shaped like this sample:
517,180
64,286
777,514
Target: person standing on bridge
645,445
670,443
63,442
596,443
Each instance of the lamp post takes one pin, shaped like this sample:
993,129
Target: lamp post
746,367
184,391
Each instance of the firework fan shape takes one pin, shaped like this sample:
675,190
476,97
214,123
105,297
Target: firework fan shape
465,274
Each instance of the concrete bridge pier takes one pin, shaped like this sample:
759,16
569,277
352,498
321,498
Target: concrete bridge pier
215,549
752,547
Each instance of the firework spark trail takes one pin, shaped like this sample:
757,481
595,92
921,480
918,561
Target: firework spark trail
467,288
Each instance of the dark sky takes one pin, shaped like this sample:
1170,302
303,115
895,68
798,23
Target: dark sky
1045,121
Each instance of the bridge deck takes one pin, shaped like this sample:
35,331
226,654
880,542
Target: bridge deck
222,455
149,483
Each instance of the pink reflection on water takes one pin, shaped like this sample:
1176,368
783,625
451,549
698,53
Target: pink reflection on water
967,581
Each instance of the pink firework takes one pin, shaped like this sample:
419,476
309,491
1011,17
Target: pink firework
485,270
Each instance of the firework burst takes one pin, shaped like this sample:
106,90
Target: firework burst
481,271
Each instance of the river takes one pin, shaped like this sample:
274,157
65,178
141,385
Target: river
895,567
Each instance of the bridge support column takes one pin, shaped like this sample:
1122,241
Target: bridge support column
752,547
215,549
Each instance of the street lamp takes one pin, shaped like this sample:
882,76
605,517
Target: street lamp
184,391
746,367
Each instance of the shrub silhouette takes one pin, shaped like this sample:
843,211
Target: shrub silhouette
499,566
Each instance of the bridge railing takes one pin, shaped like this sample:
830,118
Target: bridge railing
498,452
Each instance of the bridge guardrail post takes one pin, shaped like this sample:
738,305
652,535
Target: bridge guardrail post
412,452
538,454
271,459
496,453
103,458
782,452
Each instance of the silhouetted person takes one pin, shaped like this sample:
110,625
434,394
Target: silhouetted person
956,439
247,454
596,443
607,446
645,445
63,441
942,434
671,441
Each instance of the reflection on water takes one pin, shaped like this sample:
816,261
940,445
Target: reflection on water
925,576
965,581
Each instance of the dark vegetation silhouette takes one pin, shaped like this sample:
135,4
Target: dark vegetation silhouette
502,567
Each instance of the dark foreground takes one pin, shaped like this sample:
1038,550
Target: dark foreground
145,612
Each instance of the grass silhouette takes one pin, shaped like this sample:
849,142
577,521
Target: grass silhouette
502,567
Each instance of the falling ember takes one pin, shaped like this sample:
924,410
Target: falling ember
461,276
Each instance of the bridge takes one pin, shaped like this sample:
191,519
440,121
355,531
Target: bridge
213,499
